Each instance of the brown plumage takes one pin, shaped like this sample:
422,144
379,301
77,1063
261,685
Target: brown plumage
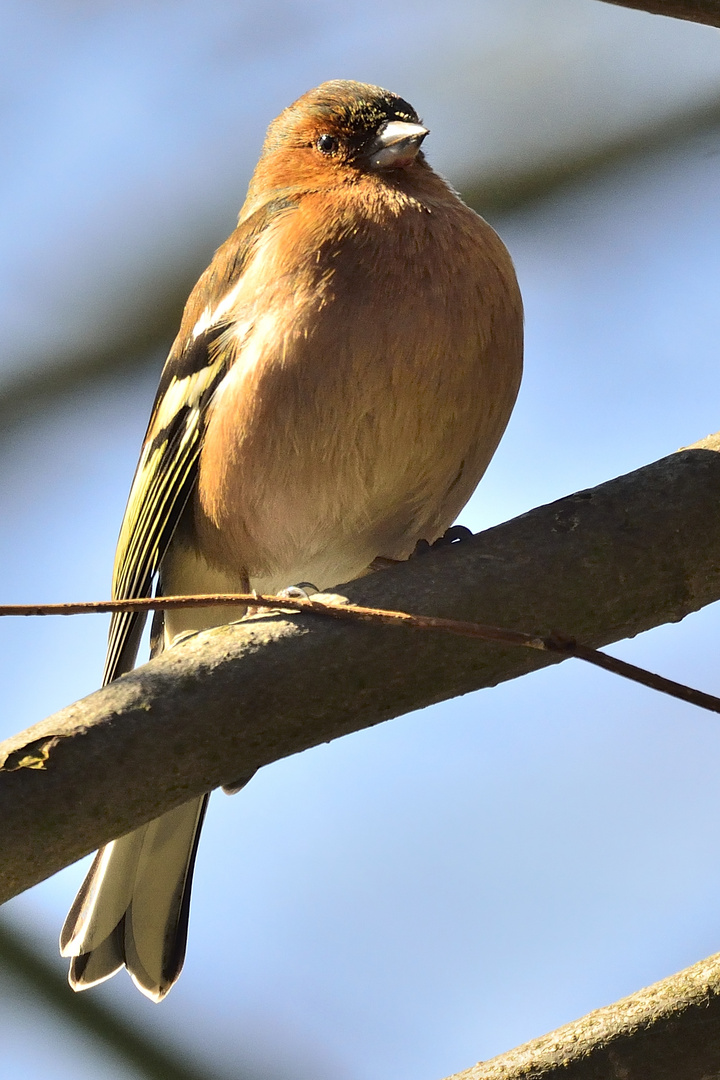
343,373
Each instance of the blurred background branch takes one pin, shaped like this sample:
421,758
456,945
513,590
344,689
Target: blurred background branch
148,1055
145,321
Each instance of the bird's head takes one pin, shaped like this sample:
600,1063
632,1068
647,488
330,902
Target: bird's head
335,132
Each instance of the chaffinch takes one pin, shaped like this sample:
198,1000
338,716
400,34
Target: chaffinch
344,370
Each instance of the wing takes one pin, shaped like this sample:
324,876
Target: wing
167,470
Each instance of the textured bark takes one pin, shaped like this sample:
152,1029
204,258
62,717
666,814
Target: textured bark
669,1031
600,565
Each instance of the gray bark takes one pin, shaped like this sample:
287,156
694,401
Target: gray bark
669,1031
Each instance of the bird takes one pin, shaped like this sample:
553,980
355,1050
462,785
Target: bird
343,373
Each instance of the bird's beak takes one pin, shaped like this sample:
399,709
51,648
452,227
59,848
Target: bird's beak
397,144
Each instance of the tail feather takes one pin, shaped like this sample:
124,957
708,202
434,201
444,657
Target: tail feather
133,906
157,919
104,895
95,967
146,984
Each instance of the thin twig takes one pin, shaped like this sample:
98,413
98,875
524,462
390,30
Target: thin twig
341,609
555,642
338,609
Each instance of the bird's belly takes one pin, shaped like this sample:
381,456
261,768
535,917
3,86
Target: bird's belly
350,427
314,493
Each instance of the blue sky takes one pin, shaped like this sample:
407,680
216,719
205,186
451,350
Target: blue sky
415,897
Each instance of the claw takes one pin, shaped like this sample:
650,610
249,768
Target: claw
454,535
304,589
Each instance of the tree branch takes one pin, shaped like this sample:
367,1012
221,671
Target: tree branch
599,565
699,11
669,1031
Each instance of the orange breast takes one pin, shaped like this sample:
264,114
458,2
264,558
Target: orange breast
378,359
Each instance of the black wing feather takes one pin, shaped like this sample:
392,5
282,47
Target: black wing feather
167,470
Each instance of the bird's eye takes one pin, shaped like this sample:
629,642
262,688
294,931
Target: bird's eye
327,144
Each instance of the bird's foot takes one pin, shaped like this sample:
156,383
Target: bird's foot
300,592
294,592
454,535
